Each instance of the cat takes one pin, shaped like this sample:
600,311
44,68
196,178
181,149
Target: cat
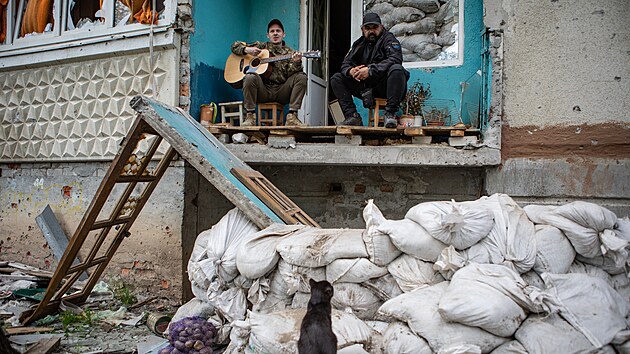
316,334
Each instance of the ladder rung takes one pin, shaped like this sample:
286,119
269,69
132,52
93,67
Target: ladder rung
85,266
129,179
107,223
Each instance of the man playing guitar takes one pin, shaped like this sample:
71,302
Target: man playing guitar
286,83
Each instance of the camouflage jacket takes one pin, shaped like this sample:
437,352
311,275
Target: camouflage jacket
281,70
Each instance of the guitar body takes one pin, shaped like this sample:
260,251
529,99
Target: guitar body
237,66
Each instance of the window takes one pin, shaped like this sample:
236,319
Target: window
430,31
25,23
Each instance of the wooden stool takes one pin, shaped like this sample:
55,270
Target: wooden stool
231,111
374,118
268,113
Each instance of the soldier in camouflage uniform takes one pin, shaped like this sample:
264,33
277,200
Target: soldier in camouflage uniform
287,82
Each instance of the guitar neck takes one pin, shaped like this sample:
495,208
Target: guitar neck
278,58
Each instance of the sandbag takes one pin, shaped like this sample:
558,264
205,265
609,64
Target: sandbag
427,6
554,253
194,307
278,296
578,267
513,347
230,300
379,246
412,239
300,300
354,298
551,334
488,296
532,278
419,309
589,304
384,287
399,339
214,255
460,349
353,349
511,241
452,223
588,226
258,256
278,332
355,270
607,263
296,278
621,284
315,247
411,273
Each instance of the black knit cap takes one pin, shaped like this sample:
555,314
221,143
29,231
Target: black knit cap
371,18
275,21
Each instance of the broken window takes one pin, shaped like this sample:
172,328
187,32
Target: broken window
31,18
429,31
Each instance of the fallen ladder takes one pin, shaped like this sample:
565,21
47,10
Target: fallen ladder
130,181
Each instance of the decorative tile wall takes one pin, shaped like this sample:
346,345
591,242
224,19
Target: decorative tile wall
76,111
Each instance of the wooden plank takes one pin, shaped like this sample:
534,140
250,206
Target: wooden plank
44,346
458,132
273,197
344,130
27,330
414,131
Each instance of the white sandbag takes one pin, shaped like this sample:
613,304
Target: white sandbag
622,229
411,238
532,278
378,326
353,349
450,261
278,332
384,287
230,300
214,254
277,297
258,256
194,307
621,284
296,278
452,223
589,304
513,347
315,247
511,241
419,309
551,334
460,349
354,298
488,296
578,267
379,246
554,253
589,227
411,273
607,263
399,339
300,300
355,270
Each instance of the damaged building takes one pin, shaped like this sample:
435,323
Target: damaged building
545,85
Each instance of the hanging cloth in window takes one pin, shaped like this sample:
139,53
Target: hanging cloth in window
141,10
37,15
3,20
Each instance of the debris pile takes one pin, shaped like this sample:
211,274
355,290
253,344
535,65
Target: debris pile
451,277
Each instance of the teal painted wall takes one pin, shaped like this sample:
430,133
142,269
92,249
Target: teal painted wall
217,25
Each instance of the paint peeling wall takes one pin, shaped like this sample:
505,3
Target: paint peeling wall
149,259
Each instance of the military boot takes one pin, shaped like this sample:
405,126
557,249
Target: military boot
293,120
250,120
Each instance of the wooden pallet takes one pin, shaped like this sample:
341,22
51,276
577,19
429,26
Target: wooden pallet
326,134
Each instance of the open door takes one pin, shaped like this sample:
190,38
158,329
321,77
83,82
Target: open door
316,107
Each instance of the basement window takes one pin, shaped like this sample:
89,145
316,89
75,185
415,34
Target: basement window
430,32
30,23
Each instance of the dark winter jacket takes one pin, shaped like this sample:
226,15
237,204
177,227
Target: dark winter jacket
282,70
387,52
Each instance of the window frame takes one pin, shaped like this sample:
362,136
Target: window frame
60,35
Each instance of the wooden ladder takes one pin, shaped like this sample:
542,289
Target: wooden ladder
128,172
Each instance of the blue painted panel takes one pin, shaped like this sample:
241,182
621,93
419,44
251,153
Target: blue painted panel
212,150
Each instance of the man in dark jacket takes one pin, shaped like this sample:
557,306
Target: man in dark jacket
286,83
374,62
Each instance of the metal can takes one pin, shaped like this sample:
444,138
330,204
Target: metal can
158,322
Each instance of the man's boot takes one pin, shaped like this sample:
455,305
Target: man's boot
355,120
292,120
390,120
250,120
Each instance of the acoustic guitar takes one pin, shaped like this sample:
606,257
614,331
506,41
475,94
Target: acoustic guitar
237,66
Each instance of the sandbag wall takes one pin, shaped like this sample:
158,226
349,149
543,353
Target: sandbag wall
451,277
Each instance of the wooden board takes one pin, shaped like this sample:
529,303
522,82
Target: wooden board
27,330
44,346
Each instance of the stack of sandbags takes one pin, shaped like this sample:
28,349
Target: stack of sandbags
452,277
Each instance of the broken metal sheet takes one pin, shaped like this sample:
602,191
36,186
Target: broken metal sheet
56,238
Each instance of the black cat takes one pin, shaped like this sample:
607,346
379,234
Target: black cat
316,334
